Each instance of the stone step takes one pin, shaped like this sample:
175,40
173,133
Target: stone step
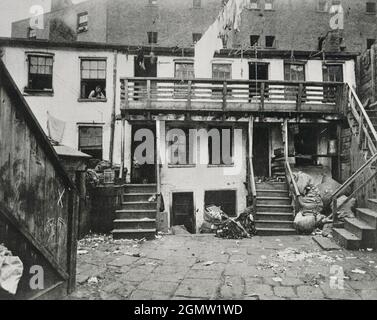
140,188
368,216
357,226
266,224
272,193
145,223
272,186
274,208
274,200
275,232
362,230
346,239
148,234
131,197
274,216
136,214
139,205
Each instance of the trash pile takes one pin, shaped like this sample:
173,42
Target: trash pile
11,269
218,222
315,204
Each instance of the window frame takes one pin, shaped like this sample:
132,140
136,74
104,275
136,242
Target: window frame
88,126
233,191
196,34
29,55
153,3
273,44
197,4
82,26
258,3
29,31
266,2
257,43
97,59
326,8
190,163
369,46
222,64
209,146
375,7
150,36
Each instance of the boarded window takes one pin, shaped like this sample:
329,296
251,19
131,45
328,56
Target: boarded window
93,75
40,72
90,141
82,22
226,199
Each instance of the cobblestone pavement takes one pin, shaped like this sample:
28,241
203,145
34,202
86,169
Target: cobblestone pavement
205,267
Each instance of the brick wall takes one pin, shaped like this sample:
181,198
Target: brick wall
296,24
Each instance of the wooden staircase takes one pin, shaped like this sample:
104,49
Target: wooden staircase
274,210
137,217
359,232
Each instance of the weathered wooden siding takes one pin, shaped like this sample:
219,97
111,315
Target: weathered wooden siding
37,204
367,75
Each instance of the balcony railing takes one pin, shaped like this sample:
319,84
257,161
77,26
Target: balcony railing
198,95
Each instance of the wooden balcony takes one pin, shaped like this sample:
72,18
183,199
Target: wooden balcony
170,95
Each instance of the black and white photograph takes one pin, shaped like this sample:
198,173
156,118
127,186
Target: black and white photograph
217,151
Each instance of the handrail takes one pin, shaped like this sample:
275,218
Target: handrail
235,81
251,179
288,170
358,111
364,113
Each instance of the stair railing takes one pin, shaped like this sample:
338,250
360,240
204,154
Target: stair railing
367,133
293,188
252,190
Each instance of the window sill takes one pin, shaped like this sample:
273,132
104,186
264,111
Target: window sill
92,100
172,166
32,92
220,166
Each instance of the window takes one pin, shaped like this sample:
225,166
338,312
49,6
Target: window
197,3
40,73
253,4
370,43
196,37
371,7
93,78
152,37
332,72
220,146
293,72
268,4
153,2
180,146
184,70
32,33
254,40
90,141
226,199
82,22
221,71
270,42
322,6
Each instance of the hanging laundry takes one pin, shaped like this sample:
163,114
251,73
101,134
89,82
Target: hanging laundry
228,19
55,128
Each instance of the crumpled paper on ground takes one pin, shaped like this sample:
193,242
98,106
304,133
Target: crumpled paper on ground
11,269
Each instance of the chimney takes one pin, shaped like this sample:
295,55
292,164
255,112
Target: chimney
60,4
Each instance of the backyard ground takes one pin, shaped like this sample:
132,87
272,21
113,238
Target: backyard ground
205,267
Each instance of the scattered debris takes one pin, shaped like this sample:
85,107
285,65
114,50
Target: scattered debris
208,263
358,271
277,279
81,252
369,249
93,280
293,255
241,227
11,269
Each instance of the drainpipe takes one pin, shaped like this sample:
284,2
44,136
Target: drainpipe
113,116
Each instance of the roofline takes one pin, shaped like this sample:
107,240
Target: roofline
32,122
172,51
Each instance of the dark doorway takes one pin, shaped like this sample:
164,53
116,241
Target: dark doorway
261,154
257,71
225,199
306,141
142,173
183,210
144,68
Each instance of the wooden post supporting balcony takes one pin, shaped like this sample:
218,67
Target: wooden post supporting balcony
157,160
299,96
225,93
263,86
149,100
